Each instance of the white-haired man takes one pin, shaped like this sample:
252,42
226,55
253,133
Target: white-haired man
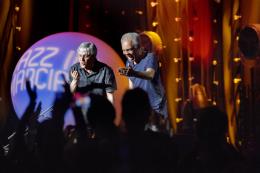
90,75
142,69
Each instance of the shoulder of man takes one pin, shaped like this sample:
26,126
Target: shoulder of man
102,65
75,66
150,55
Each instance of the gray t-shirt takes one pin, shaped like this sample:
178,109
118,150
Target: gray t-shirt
102,79
154,87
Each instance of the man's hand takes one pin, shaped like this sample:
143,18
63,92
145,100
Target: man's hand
126,71
75,79
31,92
75,75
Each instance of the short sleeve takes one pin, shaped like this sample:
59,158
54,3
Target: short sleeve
110,80
152,62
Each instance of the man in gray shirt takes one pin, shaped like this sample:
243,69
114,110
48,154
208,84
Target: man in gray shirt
90,75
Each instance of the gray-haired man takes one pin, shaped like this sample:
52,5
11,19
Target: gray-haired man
143,71
90,75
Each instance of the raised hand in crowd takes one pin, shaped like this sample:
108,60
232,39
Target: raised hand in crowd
22,146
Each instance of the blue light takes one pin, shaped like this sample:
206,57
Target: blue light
45,61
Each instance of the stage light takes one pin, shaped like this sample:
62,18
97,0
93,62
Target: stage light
215,21
237,80
215,82
228,139
18,48
18,28
214,62
178,79
215,41
191,58
152,42
17,8
191,39
248,42
154,4
178,99
178,120
191,78
177,19
236,17
177,39
177,1
176,60
155,23
236,59
139,12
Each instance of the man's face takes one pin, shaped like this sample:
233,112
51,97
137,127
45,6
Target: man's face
85,59
129,51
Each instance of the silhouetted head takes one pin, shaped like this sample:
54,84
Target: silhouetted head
100,111
212,124
136,109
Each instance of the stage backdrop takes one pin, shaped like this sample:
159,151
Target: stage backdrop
45,61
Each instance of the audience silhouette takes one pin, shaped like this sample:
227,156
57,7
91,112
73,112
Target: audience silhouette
95,144
212,153
147,151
